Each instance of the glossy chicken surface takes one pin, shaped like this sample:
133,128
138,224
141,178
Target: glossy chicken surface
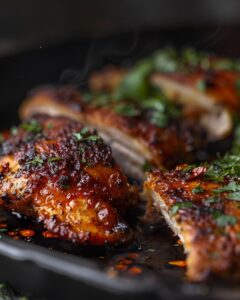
134,139
61,173
204,213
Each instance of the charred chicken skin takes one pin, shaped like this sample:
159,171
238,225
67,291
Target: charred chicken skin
61,173
201,206
133,138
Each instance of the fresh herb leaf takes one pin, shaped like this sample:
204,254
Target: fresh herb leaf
228,166
36,161
81,135
234,196
135,84
198,190
50,126
232,186
175,208
159,119
3,230
32,126
201,85
93,138
54,159
211,200
125,109
223,220
166,60
188,168
147,166
14,130
84,131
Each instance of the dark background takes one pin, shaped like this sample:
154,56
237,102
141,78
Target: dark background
32,24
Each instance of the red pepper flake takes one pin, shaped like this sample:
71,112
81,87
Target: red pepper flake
3,225
126,261
48,234
178,263
27,233
17,237
135,271
133,255
12,233
121,267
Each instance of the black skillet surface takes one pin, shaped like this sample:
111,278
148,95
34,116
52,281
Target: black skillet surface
47,268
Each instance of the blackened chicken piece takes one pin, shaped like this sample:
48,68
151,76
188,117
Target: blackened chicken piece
61,173
204,214
133,139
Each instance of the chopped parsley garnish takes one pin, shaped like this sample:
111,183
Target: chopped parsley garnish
49,125
175,208
223,220
127,110
32,126
3,230
147,166
36,161
211,200
198,190
233,190
188,168
14,130
228,166
93,138
54,159
201,85
232,186
81,136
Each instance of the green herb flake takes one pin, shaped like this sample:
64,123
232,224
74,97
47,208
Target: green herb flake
147,166
228,166
32,126
232,186
211,200
175,208
198,190
201,86
234,196
36,161
14,130
54,159
49,126
188,168
94,138
3,230
126,110
223,220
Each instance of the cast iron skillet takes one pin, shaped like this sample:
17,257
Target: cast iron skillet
48,268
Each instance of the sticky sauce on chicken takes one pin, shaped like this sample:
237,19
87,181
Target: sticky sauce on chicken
204,212
61,173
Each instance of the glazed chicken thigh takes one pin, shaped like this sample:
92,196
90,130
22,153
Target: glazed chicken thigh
62,174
